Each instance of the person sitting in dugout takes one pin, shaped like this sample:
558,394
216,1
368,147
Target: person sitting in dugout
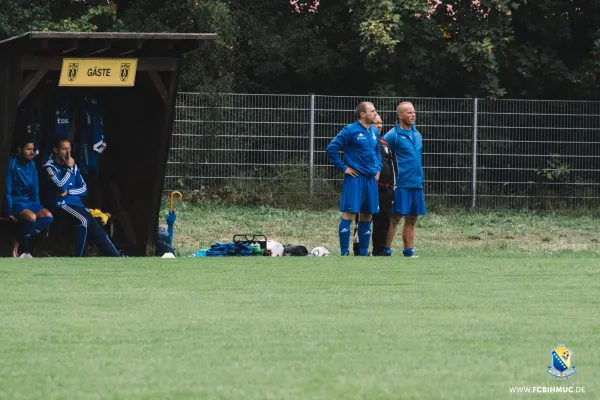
21,197
64,189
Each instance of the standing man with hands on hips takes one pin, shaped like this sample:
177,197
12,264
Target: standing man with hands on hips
409,200
361,166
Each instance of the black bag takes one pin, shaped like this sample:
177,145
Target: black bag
163,247
162,243
294,250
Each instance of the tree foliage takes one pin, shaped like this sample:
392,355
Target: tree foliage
484,48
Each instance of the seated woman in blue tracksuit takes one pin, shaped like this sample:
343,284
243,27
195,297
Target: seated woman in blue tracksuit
21,200
64,189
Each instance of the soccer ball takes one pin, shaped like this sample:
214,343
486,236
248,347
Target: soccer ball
320,251
276,248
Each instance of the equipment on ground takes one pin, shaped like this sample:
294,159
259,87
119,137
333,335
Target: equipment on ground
276,248
319,251
257,243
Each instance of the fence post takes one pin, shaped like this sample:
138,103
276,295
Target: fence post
474,167
311,155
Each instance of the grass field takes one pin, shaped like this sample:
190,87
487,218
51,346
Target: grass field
295,328
476,314
458,233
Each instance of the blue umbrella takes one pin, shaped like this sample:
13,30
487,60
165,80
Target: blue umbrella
172,216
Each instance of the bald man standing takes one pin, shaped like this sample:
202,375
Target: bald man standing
409,200
361,166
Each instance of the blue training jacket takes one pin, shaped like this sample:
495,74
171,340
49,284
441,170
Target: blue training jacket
361,149
21,183
408,146
59,179
91,140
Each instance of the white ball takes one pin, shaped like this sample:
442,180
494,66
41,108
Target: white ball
276,248
320,251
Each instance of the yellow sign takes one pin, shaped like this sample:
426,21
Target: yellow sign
98,72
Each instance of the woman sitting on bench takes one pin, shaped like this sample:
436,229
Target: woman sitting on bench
22,200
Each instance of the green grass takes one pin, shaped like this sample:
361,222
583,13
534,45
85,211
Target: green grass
478,312
295,328
461,233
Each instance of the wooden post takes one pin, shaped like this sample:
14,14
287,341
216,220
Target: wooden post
163,155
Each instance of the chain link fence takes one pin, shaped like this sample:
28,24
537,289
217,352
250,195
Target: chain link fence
477,153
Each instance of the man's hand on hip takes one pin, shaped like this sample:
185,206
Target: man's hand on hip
351,172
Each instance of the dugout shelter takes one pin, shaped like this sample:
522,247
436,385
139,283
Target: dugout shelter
47,78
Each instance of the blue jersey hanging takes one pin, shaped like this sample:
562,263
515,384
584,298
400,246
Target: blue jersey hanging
95,124
33,128
91,141
62,123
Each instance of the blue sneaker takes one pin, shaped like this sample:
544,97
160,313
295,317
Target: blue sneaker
387,252
410,252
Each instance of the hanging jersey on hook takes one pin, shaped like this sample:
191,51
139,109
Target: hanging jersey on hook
62,123
91,141
33,128
95,125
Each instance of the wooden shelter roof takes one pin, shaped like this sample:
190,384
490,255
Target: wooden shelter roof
104,44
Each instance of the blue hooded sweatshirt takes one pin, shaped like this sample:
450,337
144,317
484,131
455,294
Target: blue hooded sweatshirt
21,183
361,149
408,146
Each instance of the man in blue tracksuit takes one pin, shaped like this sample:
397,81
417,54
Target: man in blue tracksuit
21,200
361,166
64,189
409,201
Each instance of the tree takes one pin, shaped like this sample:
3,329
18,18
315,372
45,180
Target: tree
554,52
490,48
19,16
484,48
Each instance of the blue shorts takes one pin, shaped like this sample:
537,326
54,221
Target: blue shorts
360,194
19,206
409,202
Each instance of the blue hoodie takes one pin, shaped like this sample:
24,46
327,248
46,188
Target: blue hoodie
408,146
21,183
361,149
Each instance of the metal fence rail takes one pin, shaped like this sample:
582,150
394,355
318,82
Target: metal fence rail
478,153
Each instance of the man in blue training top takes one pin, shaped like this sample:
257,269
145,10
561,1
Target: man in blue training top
409,201
22,200
361,166
65,188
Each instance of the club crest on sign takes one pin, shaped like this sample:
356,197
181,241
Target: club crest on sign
562,363
72,71
124,72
